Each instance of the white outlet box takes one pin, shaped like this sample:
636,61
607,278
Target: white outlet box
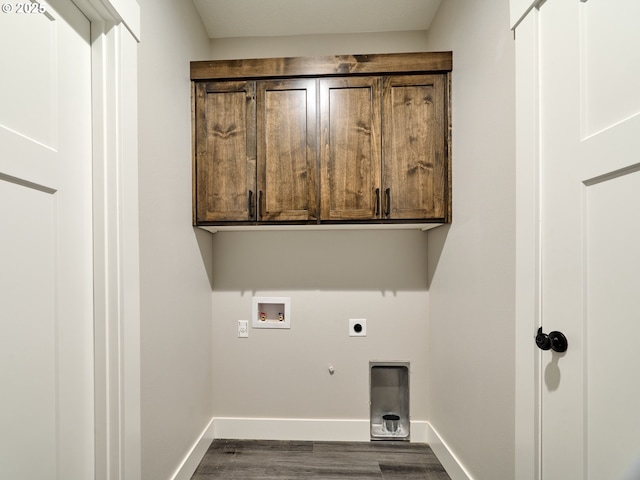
271,312
357,327
243,328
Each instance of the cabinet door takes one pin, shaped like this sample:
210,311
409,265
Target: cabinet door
225,168
350,148
414,148
287,150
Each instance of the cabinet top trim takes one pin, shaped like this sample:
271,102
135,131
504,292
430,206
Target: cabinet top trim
421,62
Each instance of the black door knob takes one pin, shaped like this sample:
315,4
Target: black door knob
555,341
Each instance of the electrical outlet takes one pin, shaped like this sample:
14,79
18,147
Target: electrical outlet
243,328
357,327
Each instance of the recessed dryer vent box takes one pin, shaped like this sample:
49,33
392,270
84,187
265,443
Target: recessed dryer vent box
271,312
389,400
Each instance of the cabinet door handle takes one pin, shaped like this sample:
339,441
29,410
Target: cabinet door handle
377,202
260,205
251,212
387,194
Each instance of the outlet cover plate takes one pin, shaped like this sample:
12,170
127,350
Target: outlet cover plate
357,327
243,328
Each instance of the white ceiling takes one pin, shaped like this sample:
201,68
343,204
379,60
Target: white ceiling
260,18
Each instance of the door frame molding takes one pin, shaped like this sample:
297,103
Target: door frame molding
115,33
528,250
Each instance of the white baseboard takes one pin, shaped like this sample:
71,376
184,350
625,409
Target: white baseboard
330,430
197,451
447,458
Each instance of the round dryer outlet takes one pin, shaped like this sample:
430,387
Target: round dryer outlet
357,327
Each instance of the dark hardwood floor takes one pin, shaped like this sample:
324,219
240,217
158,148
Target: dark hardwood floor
294,460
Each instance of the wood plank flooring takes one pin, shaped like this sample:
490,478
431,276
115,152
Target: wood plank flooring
295,460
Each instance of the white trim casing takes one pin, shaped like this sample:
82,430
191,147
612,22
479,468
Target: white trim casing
116,255
519,9
447,458
114,35
292,429
310,430
528,256
116,12
304,429
190,463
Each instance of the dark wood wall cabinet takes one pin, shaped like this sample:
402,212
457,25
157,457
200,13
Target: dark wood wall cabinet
343,140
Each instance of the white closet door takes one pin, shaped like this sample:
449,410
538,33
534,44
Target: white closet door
46,281
589,61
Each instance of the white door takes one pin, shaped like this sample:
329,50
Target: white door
590,237
46,281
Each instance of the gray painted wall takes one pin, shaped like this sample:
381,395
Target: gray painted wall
174,258
471,356
330,278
